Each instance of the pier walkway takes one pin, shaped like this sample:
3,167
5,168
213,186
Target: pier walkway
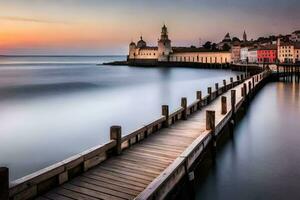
150,161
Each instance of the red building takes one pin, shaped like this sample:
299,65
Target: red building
267,54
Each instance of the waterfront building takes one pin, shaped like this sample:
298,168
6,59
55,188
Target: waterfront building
267,54
236,52
244,54
295,36
288,52
252,55
140,53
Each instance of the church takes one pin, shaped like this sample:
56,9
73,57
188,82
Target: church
140,53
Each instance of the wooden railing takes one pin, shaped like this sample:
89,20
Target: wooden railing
166,181
41,181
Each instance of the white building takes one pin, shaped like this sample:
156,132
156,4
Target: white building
252,55
244,54
164,52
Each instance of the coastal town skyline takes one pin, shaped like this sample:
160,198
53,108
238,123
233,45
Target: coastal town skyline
95,27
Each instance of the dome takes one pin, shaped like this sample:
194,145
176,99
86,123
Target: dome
141,43
132,44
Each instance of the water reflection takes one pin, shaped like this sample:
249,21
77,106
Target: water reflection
52,111
264,159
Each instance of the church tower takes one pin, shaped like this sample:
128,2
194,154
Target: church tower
245,37
164,45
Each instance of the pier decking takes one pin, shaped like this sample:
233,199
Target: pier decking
149,162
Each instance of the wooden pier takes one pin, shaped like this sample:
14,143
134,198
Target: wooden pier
147,163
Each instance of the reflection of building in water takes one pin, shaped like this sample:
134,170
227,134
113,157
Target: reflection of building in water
164,52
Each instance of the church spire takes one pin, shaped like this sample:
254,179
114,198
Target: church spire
245,36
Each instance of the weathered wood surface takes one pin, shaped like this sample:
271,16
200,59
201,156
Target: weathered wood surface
142,166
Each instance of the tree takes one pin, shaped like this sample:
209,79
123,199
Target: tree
226,47
207,45
214,46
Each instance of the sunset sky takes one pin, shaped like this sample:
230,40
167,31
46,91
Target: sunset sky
107,26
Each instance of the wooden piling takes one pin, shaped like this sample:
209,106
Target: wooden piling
210,120
242,77
210,125
249,86
224,86
165,112
116,134
4,183
184,106
209,93
233,100
238,78
199,98
223,105
217,88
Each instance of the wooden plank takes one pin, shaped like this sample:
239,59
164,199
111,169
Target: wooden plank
131,174
127,185
102,190
108,185
42,198
153,163
122,177
89,192
136,167
54,196
73,194
163,154
150,155
137,170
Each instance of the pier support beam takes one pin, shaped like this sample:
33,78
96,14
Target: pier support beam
116,134
4,183
184,106
223,105
165,112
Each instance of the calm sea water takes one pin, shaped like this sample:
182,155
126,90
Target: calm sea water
54,107
263,160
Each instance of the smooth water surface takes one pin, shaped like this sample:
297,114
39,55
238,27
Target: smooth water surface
263,160
54,107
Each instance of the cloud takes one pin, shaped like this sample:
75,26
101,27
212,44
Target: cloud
32,20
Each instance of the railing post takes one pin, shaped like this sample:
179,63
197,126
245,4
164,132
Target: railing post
245,89
233,100
199,98
223,105
224,85
238,78
242,77
232,121
184,106
217,88
210,125
4,183
253,82
116,134
249,87
210,120
209,94
231,82
165,112
242,91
